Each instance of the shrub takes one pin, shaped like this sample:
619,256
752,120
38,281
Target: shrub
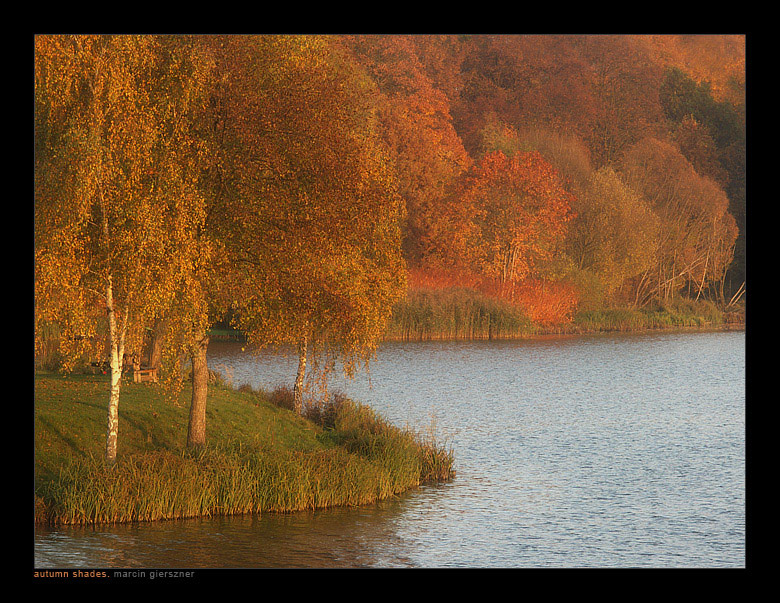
283,397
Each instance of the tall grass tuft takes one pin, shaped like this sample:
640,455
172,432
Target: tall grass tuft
411,458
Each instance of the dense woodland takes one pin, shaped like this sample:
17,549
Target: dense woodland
300,186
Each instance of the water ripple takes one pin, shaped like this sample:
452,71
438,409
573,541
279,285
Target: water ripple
603,451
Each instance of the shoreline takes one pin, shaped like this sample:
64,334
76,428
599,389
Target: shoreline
542,332
575,332
451,318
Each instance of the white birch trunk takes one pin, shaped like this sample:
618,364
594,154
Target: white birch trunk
299,378
117,347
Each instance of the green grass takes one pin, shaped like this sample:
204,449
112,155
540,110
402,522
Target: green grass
260,456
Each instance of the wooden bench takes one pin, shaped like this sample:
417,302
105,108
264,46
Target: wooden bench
144,374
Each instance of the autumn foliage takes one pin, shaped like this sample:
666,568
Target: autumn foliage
521,211
545,303
291,183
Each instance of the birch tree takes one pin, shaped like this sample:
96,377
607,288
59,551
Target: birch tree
117,204
696,232
316,217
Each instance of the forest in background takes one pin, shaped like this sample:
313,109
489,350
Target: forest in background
302,187
564,172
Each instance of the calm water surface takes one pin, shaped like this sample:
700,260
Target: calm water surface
591,451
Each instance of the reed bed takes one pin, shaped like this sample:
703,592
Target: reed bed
678,313
456,313
410,457
446,305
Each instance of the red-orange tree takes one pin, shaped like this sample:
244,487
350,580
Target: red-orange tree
427,153
522,211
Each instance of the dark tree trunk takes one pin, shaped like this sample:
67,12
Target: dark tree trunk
155,351
196,433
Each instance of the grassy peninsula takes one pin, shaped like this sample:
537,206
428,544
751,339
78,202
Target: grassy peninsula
260,456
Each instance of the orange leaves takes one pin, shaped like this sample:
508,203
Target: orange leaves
522,210
717,59
423,144
547,304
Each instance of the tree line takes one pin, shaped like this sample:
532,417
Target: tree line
291,182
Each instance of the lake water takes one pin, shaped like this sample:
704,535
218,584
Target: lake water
589,451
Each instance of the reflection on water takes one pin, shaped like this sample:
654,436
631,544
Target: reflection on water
607,451
328,538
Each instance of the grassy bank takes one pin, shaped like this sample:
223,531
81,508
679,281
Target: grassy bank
261,457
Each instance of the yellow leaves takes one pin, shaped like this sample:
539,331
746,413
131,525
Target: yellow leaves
322,207
118,144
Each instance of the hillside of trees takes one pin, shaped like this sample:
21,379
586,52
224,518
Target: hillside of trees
610,167
303,185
